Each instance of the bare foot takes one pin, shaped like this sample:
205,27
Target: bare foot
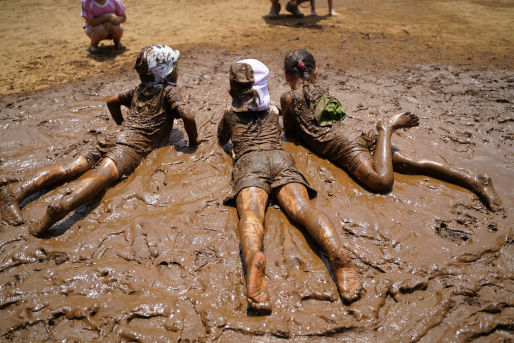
10,208
53,214
487,193
348,283
403,120
257,291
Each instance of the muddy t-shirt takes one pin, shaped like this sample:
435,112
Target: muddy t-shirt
250,131
152,110
300,123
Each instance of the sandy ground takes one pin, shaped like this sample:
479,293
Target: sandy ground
156,258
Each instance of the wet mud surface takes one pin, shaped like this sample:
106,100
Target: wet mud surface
157,257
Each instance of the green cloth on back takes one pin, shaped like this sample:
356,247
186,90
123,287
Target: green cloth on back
328,109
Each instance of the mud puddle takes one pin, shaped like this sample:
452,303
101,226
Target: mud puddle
157,257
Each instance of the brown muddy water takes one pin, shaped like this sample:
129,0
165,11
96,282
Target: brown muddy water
157,258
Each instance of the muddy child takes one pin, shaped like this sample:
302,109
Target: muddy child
153,106
262,168
313,117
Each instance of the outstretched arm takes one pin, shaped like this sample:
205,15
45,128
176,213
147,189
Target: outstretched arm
114,106
184,112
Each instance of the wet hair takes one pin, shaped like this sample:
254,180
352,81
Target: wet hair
141,65
299,62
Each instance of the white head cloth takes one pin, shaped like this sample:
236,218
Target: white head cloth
260,84
161,61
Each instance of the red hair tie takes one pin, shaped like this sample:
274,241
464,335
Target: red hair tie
301,64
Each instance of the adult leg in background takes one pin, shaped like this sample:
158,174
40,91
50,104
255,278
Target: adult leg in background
274,10
331,10
292,7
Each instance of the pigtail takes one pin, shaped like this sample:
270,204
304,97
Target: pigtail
303,70
305,77
301,62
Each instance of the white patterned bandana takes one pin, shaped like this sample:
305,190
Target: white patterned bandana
160,60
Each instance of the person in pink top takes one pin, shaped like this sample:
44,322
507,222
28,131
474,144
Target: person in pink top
103,19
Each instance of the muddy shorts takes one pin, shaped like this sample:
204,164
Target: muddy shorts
124,156
267,170
358,151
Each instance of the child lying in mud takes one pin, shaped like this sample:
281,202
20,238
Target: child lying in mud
261,166
153,106
369,157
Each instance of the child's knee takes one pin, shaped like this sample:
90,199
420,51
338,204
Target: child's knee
99,33
117,29
382,184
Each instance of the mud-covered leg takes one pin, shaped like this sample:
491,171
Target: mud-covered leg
12,195
295,201
377,173
87,189
480,184
251,207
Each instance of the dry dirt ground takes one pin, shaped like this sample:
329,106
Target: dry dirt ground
156,257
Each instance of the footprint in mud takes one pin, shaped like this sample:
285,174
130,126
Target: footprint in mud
454,235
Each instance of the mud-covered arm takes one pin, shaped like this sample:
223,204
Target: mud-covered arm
184,112
287,116
224,134
223,130
114,106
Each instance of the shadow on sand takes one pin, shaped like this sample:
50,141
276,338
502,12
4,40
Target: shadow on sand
106,53
307,22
